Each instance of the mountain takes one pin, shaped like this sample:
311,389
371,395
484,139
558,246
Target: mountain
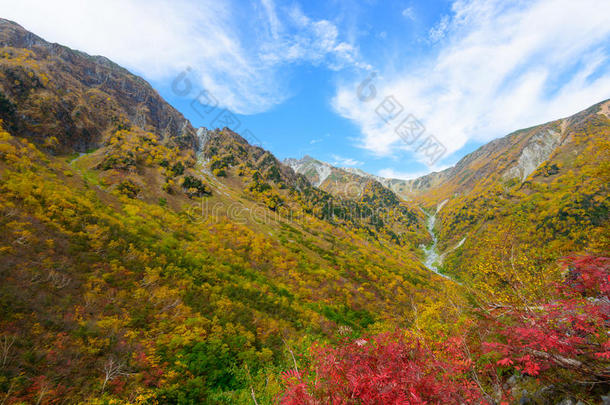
526,170
70,100
314,170
336,181
366,206
145,262
345,181
514,156
539,190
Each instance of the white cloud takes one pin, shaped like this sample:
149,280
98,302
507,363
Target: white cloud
409,13
391,173
236,54
499,68
274,23
341,161
439,31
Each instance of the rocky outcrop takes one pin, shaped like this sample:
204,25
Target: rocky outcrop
315,170
538,149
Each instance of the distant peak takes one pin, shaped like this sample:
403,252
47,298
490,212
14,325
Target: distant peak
306,159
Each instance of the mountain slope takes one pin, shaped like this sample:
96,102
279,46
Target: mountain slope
66,100
514,156
345,181
160,267
542,192
366,206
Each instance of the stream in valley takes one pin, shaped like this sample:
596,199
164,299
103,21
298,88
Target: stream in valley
432,258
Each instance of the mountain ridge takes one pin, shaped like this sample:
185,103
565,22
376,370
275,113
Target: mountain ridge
64,112
412,188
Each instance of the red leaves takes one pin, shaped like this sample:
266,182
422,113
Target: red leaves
603,355
387,369
568,332
606,353
531,368
296,392
505,362
589,276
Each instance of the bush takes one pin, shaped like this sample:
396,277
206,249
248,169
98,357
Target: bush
128,188
384,369
195,187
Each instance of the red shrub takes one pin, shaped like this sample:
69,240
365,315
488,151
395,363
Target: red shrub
570,331
384,369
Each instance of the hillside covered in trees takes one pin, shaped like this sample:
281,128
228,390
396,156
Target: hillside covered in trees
145,262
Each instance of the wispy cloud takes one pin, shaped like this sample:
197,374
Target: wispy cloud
439,31
409,13
499,67
391,173
341,161
240,55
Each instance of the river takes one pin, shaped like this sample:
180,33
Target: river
432,258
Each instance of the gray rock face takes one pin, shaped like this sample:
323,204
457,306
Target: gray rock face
315,170
538,149
203,136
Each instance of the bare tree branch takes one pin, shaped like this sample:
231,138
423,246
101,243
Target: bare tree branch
112,370
5,347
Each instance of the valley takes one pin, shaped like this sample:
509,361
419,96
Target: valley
432,257
143,261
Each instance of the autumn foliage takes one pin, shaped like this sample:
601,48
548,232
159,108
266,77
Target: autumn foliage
393,368
165,267
563,339
569,331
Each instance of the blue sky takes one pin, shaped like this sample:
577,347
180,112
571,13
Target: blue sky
447,76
